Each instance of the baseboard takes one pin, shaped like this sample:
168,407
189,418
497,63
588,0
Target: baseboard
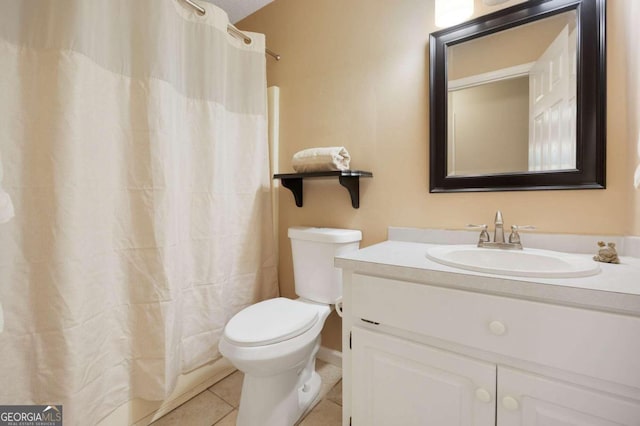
330,356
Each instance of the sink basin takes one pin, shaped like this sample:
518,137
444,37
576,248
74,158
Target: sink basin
518,263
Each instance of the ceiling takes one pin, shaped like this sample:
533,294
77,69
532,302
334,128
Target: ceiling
239,9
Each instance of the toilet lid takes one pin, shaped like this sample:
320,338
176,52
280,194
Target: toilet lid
270,321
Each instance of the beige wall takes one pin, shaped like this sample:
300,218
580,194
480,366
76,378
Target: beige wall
355,73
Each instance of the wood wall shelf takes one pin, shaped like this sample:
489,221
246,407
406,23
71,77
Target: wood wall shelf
350,179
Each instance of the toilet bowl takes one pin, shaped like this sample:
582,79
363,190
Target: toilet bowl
280,381
275,342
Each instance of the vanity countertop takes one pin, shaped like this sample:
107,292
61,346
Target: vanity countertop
616,288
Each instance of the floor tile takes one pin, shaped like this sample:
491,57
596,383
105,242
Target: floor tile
326,413
229,388
330,375
229,420
202,410
335,394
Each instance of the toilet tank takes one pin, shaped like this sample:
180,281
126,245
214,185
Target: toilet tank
313,250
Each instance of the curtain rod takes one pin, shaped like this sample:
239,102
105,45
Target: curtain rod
231,29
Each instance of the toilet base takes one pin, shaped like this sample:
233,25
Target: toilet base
308,396
278,400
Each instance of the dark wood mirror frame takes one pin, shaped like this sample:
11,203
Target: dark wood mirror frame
591,95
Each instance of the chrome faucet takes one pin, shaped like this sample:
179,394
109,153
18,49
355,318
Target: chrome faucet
498,235
498,232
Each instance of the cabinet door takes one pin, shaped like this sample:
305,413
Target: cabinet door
525,399
397,382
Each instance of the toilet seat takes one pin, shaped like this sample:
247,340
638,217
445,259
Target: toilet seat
271,321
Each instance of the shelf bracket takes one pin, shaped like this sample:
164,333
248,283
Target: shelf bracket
352,183
295,186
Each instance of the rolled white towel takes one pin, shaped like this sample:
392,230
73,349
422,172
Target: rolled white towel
322,159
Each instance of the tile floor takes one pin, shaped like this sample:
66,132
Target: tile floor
218,405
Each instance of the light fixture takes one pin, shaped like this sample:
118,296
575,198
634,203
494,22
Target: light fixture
451,12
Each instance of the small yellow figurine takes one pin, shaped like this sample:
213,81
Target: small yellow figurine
607,253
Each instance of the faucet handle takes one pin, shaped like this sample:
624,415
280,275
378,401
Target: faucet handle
514,238
484,235
472,226
517,228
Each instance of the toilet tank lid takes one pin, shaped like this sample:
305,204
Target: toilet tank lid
325,235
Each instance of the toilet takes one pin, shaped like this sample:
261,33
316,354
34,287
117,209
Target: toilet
275,342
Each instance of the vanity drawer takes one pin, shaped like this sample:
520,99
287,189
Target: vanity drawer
592,343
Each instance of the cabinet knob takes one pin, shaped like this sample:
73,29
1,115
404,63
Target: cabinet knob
483,395
497,328
510,403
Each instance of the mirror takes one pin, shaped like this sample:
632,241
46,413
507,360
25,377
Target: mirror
518,102
517,99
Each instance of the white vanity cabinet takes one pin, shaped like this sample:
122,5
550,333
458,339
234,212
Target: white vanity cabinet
526,398
399,382
421,354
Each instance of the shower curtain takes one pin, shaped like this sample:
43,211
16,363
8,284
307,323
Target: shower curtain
134,144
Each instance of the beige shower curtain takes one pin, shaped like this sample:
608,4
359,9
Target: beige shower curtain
134,145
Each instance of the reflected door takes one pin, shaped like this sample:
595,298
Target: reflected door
552,110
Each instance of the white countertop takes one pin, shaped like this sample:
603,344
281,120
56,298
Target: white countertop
616,288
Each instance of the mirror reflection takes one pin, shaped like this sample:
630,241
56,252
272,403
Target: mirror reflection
512,100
